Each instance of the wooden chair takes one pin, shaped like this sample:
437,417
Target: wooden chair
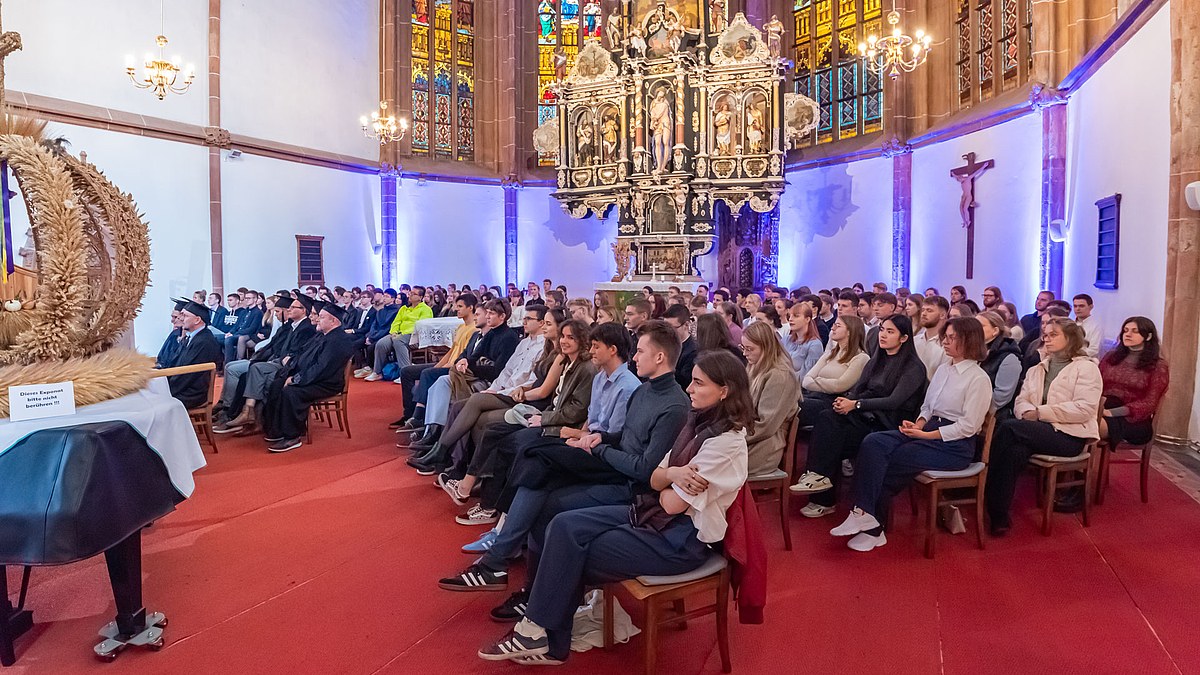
201,416
974,476
780,479
657,594
1049,467
1106,458
797,465
335,405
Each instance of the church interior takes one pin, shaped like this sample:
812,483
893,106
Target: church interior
670,287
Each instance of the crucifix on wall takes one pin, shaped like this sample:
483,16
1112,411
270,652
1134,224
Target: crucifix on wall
966,175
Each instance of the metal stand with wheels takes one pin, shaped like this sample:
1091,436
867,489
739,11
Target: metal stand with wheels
132,628
14,621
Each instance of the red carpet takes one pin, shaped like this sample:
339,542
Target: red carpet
324,560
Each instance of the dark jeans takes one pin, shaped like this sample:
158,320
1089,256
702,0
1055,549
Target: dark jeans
835,437
1014,442
597,545
812,406
409,376
1121,430
888,461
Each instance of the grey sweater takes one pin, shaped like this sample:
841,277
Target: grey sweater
655,414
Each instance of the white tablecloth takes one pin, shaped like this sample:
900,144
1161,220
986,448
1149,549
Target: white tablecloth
435,332
158,417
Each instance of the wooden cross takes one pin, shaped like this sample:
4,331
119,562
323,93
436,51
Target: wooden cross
966,176
9,43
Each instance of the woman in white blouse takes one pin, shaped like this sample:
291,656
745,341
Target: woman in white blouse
837,370
803,342
664,533
942,438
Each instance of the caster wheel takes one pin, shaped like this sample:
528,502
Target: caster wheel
156,645
163,623
106,658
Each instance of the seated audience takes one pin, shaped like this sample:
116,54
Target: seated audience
669,529
1014,327
1135,379
1002,364
802,343
580,309
889,391
712,332
1055,414
992,297
836,371
883,305
1031,321
170,347
396,342
678,318
606,314
248,322
1092,330
464,308
317,373
961,311
942,437
958,295
386,307
729,312
815,303
773,390
196,345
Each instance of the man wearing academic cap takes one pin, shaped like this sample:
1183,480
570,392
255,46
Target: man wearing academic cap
247,381
317,373
197,345
171,345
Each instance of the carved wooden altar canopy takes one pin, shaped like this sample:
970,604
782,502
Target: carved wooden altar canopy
678,111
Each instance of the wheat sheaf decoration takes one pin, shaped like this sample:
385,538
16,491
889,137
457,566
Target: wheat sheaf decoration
93,253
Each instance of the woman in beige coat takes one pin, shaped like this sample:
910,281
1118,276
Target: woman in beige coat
774,389
1055,414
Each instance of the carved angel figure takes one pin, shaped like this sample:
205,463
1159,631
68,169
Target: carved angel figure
774,31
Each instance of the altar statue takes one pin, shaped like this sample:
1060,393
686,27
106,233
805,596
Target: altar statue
774,31
585,149
661,127
717,16
723,123
755,131
610,134
615,37
637,43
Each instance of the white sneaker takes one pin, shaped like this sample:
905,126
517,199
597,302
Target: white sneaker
362,372
373,377
477,515
847,468
865,542
811,482
857,521
812,510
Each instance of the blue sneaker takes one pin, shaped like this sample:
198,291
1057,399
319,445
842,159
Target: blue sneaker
483,543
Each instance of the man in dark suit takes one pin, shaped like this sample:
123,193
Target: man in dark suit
317,373
677,317
196,346
170,347
359,317
246,382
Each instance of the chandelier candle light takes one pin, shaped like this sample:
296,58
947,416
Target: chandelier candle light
159,75
383,127
894,49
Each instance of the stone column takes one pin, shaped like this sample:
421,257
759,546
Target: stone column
511,186
215,226
1181,316
901,154
1051,105
387,224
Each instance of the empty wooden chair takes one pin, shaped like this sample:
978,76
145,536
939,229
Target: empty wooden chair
974,477
660,594
1107,457
779,479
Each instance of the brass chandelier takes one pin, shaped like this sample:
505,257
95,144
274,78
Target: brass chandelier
383,127
159,75
899,52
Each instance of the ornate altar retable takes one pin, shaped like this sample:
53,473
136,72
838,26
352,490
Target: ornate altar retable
677,118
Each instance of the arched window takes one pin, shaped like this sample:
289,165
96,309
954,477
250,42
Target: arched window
443,78
829,69
994,47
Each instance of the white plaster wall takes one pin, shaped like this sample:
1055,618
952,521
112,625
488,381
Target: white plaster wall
76,50
1120,143
267,202
835,225
169,183
1007,219
551,244
449,233
301,72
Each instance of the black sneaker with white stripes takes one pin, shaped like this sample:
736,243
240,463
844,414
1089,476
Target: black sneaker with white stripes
526,640
476,578
513,608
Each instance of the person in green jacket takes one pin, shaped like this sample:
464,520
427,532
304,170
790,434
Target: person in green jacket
396,341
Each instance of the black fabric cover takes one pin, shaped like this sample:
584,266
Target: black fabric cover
69,493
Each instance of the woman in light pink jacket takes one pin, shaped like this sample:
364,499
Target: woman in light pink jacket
1055,414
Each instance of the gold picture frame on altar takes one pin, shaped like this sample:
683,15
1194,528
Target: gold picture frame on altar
665,259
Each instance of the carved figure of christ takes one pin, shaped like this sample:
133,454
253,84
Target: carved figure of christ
966,175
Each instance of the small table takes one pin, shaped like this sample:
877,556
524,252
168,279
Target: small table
435,332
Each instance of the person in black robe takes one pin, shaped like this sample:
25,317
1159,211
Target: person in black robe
170,346
197,345
317,373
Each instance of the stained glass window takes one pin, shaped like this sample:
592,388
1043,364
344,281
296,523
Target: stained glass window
443,78
984,55
962,24
560,25
828,67
994,46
